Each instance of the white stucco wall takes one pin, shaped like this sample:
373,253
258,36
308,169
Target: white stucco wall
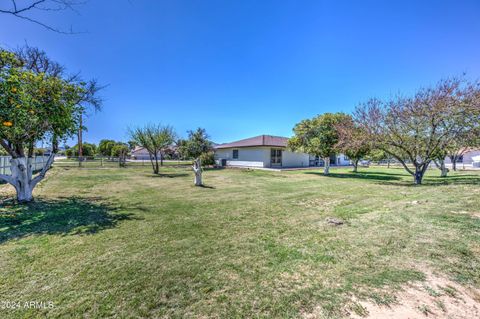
248,156
260,157
341,160
295,159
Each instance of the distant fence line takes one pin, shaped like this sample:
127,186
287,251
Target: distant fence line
101,161
38,163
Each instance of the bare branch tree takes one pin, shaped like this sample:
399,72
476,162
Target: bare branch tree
24,10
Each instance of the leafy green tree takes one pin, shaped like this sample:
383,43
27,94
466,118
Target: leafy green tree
318,136
196,146
35,103
120,150
207,159
88,150
105,147
131,145
155,139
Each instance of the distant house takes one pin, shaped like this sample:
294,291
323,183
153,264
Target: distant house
466,158
141,153
268,151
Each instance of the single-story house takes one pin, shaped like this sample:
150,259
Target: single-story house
466,158
140,153
268,151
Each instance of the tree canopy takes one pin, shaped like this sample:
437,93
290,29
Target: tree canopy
317,136
155,138
353,141
414,130
105,147
38,102
197,144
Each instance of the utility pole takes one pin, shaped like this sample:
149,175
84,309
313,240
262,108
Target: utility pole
80,150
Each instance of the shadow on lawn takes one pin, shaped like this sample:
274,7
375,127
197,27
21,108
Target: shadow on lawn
63,216
380,176
463,179
167,175
397,179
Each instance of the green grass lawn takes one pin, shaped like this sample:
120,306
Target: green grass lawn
124,243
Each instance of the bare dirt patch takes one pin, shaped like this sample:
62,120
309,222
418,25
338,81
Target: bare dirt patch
436,297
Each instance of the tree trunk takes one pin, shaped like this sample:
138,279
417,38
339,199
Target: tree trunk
153,163
442,167
21,179
453,159
156,169
197,169
419,172
326,169
355,166
161,159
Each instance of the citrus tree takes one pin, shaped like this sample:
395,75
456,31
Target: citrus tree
34,106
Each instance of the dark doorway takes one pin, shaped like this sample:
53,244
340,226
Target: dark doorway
333,159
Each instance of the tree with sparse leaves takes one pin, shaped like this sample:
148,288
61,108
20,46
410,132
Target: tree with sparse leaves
416,130
352,141
155,139
27,9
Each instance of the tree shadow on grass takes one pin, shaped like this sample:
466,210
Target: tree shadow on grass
362,175
396,179
168,175
62,216
207,186
463,179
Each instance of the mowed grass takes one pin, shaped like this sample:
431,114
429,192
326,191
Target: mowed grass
128,244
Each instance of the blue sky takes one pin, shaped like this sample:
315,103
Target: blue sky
244,68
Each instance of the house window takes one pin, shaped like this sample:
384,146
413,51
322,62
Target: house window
346,158
235,154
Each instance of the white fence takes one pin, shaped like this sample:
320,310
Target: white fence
38,163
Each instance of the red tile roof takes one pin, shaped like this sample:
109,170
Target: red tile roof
261,140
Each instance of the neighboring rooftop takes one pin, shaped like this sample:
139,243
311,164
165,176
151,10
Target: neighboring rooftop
261,140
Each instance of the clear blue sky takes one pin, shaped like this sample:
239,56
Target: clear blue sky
244,68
